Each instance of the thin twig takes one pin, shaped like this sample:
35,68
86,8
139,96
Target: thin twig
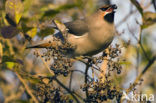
142,48
54,78
103,67
27,88
70,81
93,73
129,15
67,89
154,4
137,58
151,61
52,73
148,65
86,78
78,95
57,79
140,43
14,96
125,18
80,72
139,39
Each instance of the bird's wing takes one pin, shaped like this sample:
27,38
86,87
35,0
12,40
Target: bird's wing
78,27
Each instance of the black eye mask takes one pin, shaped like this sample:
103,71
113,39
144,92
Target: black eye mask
107,7
104,8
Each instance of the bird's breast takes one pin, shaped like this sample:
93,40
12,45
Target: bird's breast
101,35
93,42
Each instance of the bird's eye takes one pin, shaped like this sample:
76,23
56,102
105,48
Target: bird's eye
104,9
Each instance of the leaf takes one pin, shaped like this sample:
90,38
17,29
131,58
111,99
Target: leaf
31,33
46,31
9,31
53,12
137,5
80,4
125,63
10,65
149,19
14,9
11,59
27,4
25,28
50,13
10,21
1,52
7,59
67,6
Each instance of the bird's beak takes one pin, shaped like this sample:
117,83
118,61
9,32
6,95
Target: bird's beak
111,8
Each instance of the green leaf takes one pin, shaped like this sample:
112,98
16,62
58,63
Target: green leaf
80,4
7,58
149,18
137,5
27,4
10,65
53,12
9,32
33,80
67,6
31,33
14,9
25,28
50,13
11,59
46,31
125,63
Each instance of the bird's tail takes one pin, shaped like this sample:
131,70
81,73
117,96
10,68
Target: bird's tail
43,45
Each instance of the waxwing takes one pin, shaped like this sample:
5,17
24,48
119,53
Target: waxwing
90,35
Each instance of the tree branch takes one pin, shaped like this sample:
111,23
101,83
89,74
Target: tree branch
154,4
27,88
67,89
86,77
150,62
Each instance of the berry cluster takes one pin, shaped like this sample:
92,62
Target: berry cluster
49,93
99,92
114,66
114,63
60,64
114,52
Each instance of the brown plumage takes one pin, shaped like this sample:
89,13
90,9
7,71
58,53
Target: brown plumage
90,35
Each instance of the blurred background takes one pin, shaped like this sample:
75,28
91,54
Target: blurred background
30,22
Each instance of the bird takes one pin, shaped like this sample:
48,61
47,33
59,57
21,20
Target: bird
90,35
